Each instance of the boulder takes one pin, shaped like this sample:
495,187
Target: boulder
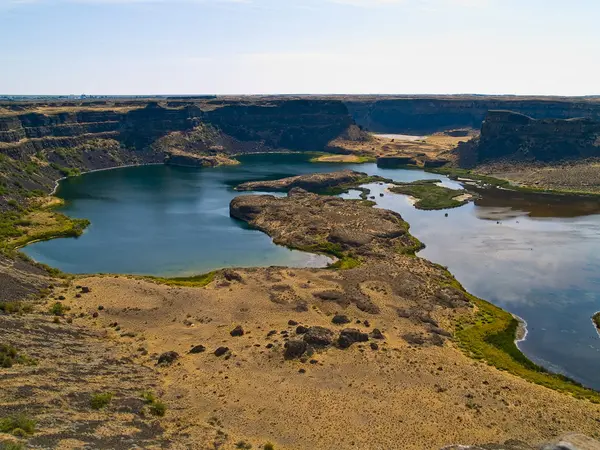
340,319
319,336
167,358
237,331
349,336
294,349
377,334
221,351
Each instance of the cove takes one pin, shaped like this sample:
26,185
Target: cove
534,256
174,221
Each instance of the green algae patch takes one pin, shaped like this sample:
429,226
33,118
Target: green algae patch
489,334
430,196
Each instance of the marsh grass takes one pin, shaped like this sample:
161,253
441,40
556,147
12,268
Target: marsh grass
193,281
489,334
429,195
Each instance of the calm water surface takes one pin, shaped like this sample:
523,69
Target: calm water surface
536,257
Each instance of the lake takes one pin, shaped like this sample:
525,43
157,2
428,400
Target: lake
535,256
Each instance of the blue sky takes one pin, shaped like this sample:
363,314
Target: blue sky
299,46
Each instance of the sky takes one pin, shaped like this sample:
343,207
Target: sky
541,47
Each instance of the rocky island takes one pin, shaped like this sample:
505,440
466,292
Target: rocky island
316,182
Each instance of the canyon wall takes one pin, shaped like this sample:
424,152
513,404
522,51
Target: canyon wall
36,147
509,136
430,114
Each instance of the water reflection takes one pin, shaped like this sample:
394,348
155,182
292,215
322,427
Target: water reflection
513,252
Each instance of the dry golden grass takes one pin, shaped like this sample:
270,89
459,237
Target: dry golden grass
398,397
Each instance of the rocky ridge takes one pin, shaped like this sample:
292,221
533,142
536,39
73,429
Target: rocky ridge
509,136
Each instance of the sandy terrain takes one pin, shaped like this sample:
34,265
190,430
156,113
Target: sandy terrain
436,146
400,396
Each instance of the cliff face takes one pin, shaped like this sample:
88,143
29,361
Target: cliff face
427,115
291,124
36,149
511,136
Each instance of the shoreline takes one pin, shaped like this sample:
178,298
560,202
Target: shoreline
520,335
522,331
57,182
594,323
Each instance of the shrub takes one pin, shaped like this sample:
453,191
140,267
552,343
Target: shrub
99,401
58,309
18,425
11,446
243,445
158,408
10,307
269,446
8,356
155,406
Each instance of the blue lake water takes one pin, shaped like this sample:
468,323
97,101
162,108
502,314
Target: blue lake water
537,258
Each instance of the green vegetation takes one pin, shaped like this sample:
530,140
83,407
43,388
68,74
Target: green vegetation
58,309
11,446
19,425
10,356
23,226
66,171
354,158
484,181
430,195
343,188
155,406
99,401
14,307
347,262
596,319
489,334
269,446
454,173
193,281
243,445
410,245
345,259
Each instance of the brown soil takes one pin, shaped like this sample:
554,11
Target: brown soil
576,176
436,146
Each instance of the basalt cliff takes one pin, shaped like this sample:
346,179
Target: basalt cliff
428,114
510,136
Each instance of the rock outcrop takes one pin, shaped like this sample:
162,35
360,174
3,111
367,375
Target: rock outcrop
179,158
428,114
314,182
506,135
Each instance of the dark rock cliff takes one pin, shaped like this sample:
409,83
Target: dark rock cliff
290,124
429,114
511,136
36,149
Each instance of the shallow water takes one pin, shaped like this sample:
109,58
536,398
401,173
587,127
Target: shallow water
544,269
538,258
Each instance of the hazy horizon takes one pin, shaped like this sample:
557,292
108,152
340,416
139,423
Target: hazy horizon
302,47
